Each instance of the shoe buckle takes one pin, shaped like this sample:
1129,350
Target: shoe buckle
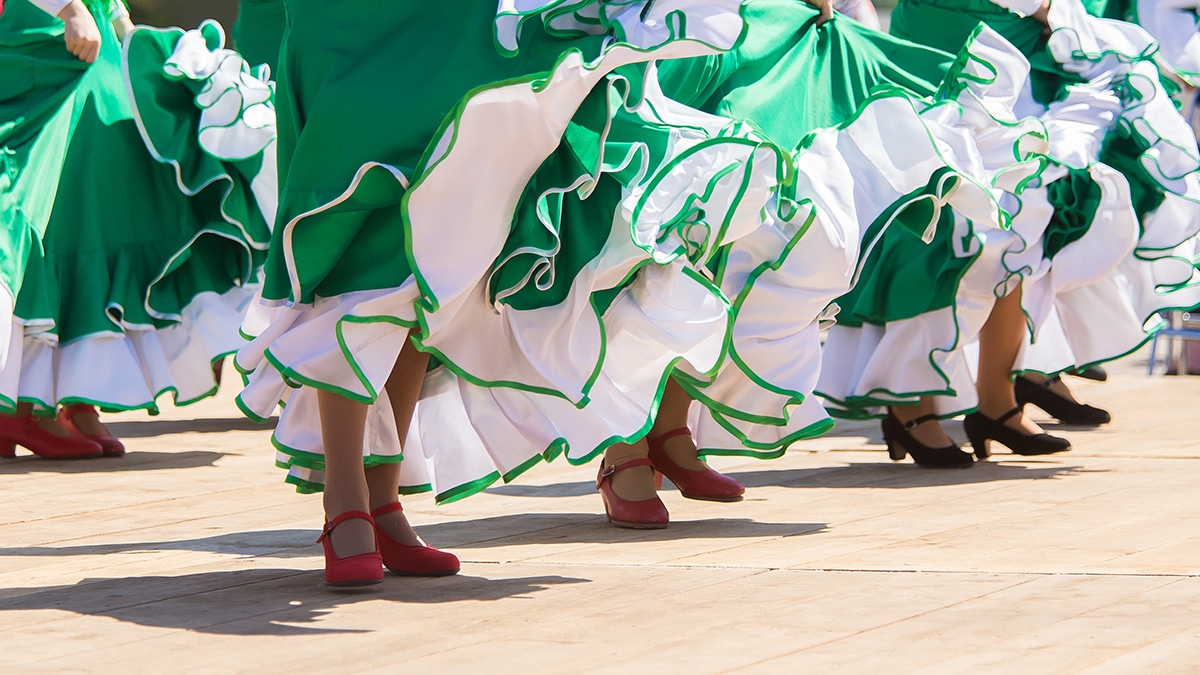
910,425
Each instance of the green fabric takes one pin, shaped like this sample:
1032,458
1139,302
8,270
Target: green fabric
1075,198
118,240
902,276
258,33
791,78
338,250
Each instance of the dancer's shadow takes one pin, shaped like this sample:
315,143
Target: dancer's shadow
587,528
854,475
277,602
140,460
256,544
888,475
210,425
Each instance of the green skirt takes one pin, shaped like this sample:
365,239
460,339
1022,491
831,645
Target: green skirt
128,265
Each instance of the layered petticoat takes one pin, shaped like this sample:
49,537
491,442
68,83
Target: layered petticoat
710,251
879,163
1100,242
138,278
546,241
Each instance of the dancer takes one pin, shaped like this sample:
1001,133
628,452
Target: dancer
468,235
1080,219
134,276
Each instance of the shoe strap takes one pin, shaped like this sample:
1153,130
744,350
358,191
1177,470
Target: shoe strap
1009,415
74,409
386,509
657,442
606,472
349,515
914,423
1049,382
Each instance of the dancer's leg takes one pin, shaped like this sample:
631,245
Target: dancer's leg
403,389
342,425
1000,342
672,415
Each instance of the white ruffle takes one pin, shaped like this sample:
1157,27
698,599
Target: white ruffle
126,370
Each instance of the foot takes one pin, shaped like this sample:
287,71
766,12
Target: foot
396,526
682,450
353,537
1019,422
928,433
51,425
88,421
636,483
1057,387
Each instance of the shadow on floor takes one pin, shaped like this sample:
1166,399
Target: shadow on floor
887,475
138,460
211,425
278,602
262,544
855,475
576,528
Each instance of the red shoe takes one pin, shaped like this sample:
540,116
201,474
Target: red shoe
24,431
412,561
110,444
704,484
363,569
647,514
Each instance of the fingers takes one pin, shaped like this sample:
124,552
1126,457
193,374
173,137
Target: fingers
826,12
83,49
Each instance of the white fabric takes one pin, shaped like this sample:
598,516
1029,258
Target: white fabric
52,7
1021,7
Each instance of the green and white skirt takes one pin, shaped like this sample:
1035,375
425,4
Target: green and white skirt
1098,242
137,272
513,186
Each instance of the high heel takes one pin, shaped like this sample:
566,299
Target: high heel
111,445
1062,409
900,441
981,430
646,514
703,484
411,561
23,430
363,569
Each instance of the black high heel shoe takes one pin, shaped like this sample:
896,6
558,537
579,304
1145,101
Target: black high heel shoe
899,439
1062,409
981,430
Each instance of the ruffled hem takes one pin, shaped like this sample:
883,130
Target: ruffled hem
129,370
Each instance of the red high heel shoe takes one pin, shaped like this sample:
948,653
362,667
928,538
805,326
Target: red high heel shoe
703,484
111,445
24,431
412,561
363,569
646,514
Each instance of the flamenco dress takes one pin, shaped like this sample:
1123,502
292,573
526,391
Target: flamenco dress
896,147
525,200
1099,242
136,262
258,32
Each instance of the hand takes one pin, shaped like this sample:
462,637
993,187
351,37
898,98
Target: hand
83,37
825,9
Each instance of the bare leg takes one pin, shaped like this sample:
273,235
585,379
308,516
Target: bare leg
403,389
342,425
929,433
999,343
673,414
